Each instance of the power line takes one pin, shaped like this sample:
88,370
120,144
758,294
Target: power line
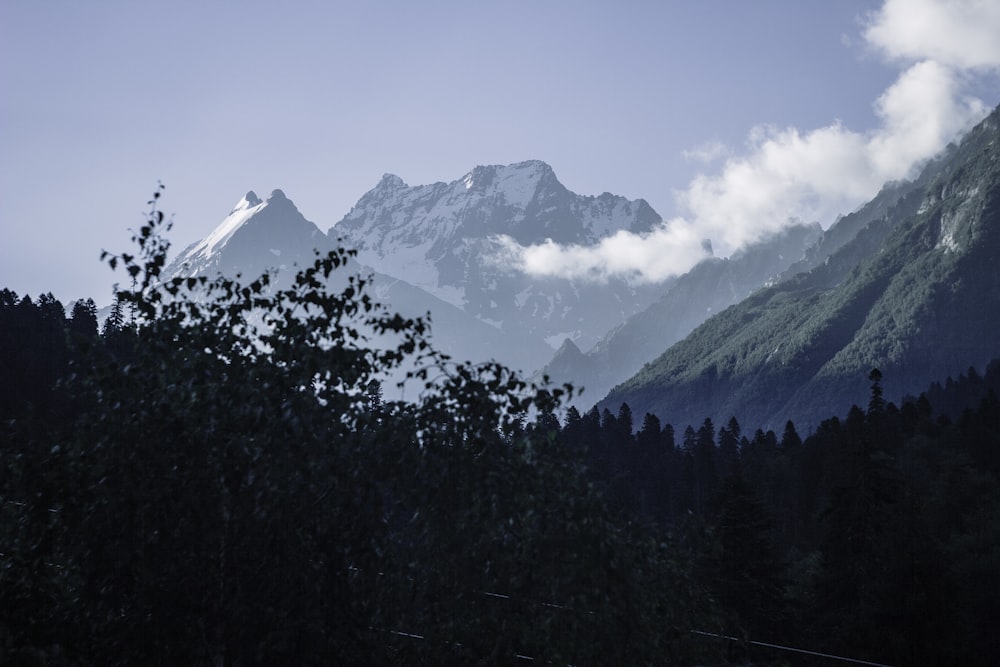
502,596
789,648
413,635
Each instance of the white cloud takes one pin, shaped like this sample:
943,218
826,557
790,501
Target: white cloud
958,33
651,257
790,174
706,152
921,112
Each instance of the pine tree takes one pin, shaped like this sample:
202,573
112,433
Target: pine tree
115,322
790,439
747,573
729,447
705,470
83,319
859,527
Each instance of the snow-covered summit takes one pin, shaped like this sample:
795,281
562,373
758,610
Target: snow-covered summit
250,199
524,200
273,226
444,238
243,211
390,182
518,182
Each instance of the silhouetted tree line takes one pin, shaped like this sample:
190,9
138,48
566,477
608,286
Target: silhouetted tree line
213,476
876,537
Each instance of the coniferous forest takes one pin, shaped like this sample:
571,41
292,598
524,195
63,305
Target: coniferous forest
214,476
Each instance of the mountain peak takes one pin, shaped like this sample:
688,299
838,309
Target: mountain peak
390,181
569,348
538,166
515,185
255,236
249,200
529,170
523,200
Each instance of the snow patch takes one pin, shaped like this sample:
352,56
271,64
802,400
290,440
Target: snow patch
519,182
521,297
948,242
412,264
245,209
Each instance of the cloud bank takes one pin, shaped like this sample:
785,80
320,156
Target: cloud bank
787,174
957,33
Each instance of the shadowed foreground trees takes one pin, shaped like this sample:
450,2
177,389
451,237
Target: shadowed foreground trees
874,538
228,487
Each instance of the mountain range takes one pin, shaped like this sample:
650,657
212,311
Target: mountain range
787,328
452,239
445,249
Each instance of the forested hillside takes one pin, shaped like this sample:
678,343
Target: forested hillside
916,293
875,537
708,288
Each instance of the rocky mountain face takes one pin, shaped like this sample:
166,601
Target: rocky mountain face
710,287
915,292
446,239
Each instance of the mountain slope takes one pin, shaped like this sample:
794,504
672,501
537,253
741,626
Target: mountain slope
709,287
915,293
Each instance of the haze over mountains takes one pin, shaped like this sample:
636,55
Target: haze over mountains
712,285
907,283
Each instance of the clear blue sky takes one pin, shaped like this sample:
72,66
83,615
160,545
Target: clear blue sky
100,100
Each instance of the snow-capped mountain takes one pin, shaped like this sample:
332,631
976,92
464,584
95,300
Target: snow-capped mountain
446,238
272,235
256,235
446,248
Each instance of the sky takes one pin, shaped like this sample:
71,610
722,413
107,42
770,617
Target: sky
730,118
